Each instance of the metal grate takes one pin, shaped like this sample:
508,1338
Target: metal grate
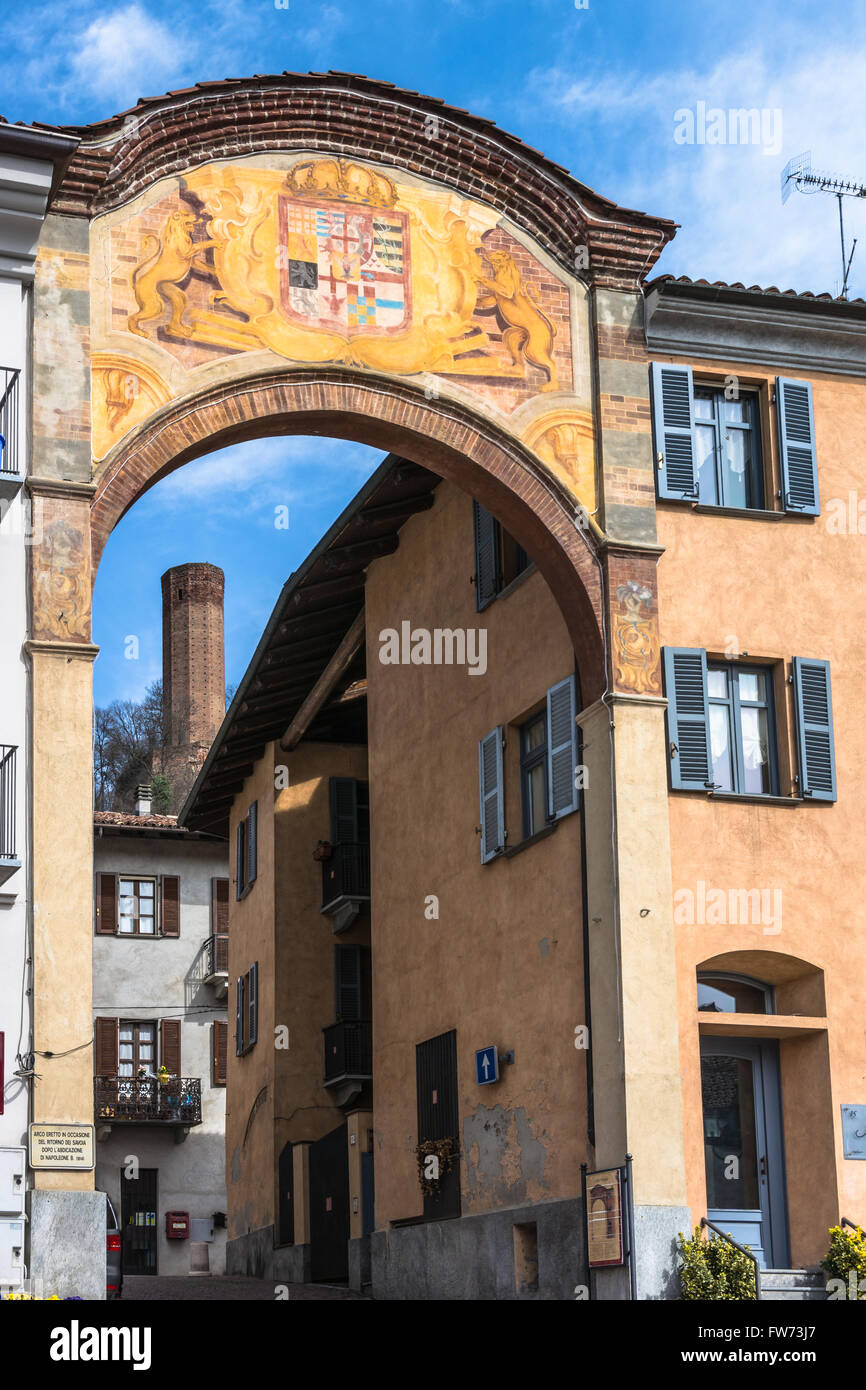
7,801
348,1049
119,1099
9,378
347,873
217,955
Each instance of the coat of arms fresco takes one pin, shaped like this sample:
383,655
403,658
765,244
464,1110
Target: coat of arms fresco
327,262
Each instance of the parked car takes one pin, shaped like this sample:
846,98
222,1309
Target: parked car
113,1252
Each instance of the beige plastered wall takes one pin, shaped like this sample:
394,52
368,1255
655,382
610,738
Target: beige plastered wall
62,903
305,1109
502,962
775,590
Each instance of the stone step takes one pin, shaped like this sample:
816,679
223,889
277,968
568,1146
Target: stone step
795,1285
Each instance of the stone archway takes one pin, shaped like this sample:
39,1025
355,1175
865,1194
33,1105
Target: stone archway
532,502
326,254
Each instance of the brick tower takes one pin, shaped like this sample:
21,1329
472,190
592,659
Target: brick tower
193,670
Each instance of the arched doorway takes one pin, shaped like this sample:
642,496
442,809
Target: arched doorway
531,501
248,259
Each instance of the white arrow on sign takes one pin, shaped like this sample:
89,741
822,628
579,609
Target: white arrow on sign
486,1064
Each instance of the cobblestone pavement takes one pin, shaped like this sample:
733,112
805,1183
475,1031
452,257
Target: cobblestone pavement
172,1289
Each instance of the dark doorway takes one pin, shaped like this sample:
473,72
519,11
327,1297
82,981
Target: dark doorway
138,1208
439,1120
368,1192
286,1178
329,1207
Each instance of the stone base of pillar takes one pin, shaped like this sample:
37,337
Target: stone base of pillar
67,1243
655,1237
359,1263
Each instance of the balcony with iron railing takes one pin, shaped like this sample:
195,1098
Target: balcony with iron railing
216,961
9,861
146,1101
345,882
11,476
348,1051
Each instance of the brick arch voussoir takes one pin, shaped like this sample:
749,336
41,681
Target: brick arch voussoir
440,435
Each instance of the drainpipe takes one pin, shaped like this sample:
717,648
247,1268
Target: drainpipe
584,909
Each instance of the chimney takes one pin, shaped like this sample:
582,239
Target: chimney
193,670
143,797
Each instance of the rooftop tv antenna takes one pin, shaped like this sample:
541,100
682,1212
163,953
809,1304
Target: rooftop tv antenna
798,173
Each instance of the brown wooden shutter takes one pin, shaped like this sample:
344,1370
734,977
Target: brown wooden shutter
220,1053
219,906
169,898
169,1045
106,1047
106,904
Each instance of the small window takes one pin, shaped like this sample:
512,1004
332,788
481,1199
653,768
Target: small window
728,440
240,860
247,1010
136,1049
499,558
137,907
533,773
733,994
742,730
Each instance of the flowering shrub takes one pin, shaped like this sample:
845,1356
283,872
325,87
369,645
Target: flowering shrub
846,1261
714,1270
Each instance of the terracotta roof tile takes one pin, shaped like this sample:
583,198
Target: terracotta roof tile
127,818
774,290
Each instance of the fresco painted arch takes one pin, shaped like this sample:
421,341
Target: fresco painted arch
211,279
245,233
327,254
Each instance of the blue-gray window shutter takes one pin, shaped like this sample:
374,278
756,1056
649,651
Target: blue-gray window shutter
492,794
486,557
253,843
674,431
254,1004
241,843
561,749
688,718
239,1016
797,446
344,810
347,983
814,706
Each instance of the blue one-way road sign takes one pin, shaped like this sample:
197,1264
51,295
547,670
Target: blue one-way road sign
487,1065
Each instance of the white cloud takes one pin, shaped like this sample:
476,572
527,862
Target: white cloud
254,477
727,196
324,31
126,54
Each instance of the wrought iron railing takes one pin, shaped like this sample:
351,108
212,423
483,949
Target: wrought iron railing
744,1250
7,801
216,955
131,1100
9,378
347,873
348,1049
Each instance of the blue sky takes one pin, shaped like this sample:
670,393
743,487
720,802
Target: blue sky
597,89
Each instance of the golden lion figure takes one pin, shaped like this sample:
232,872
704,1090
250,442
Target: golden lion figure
529,333
156,281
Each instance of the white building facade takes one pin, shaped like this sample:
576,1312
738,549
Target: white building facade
30,164
160,962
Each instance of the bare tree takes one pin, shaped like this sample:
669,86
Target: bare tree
127,746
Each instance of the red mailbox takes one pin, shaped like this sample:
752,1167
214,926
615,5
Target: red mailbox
177,1225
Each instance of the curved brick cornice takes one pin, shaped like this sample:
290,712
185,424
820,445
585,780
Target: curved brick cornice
439,435
356,117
